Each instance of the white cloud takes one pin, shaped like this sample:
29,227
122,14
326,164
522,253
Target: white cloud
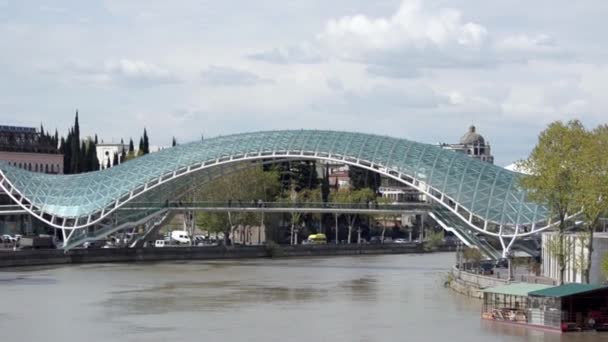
227,76
114,72
410,27
303,53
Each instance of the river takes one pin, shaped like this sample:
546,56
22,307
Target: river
365,298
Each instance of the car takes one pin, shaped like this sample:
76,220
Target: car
400,240
8,239
502,263
486,267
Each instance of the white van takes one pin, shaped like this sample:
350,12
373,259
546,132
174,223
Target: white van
180,236
159,243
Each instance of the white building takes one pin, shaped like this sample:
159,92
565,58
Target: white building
577,253
472,144
105,153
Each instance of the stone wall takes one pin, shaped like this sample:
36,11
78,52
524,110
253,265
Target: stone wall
79,256
472,285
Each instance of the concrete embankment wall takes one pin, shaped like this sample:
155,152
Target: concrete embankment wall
80,256
472,285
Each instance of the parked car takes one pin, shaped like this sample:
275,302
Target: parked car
400,240
486,267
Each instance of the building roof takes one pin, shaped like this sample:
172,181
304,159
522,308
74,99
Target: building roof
567,290
517,289
472,138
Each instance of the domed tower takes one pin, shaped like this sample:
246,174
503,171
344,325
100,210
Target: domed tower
474,145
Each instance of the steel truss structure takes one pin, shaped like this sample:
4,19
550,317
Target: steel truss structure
481,196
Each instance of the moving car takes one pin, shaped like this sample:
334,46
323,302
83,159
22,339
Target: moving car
180,236
316,239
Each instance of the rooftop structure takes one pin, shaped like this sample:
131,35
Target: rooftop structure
472,144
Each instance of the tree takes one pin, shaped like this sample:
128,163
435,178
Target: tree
145,143
174,142
592,195
362,178
472,255
140,150
74,154
605,265
131,147
553,181
245,185
434,240
115,159
325,187
93,162
351,197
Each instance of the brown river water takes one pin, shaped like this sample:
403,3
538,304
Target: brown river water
359,298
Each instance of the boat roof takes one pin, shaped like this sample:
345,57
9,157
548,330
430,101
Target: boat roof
517,289
567,290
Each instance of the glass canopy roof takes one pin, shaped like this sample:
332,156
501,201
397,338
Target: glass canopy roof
487,191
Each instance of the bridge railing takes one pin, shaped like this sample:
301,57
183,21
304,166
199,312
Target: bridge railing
260,204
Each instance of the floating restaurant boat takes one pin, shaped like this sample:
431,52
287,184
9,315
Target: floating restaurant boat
569,307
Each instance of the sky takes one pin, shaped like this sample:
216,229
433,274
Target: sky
420,70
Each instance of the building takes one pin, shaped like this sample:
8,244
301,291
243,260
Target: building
472,144
27,149
577,251
105,154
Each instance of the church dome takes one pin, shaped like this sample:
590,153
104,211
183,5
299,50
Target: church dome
472,138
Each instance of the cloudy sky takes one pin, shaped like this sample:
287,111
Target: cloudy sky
422,70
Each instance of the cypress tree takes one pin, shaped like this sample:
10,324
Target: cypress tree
67,153
146,143
123,155
174,143
56,141
92,156
75,147
96,141
115,159
325,186
131,147
141,146
83,162
108,164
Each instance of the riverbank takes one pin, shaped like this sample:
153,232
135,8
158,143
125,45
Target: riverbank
472,285
109,255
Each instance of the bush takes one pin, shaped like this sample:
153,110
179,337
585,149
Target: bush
433,241
605,265
273,249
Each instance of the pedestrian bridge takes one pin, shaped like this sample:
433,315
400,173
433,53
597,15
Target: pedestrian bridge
474,194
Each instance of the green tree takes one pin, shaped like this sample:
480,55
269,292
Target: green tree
353,197
592,194
605,265
145,143
472,255
74,155
361,178
174,142
553,180
248,185
434,240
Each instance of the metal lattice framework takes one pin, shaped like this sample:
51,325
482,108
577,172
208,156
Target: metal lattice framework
484,197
